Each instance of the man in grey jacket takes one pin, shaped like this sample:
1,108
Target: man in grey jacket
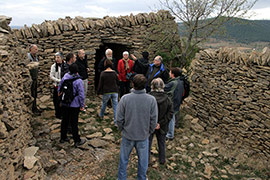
33,58
137,114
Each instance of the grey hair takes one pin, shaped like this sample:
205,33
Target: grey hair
125,53
59,54
157,85
107,51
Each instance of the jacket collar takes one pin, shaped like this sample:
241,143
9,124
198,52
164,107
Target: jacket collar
160,70
174,79
143,91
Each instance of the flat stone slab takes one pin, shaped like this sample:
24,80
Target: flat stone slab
95,135
97,143
29,158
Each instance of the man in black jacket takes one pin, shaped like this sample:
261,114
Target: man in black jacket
174,89
70,59
83,69
141,65
109,56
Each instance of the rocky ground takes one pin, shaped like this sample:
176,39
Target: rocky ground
193,154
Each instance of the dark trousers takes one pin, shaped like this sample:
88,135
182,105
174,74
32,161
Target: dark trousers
70,115
56,103
34,84
177,119
34,94
161,139
124,88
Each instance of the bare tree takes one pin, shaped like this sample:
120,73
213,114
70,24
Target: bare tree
201,18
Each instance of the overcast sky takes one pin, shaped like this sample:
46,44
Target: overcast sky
36,11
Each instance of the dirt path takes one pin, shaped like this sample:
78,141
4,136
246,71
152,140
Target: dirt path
193,154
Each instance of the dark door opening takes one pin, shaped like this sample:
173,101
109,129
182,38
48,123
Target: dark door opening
117,49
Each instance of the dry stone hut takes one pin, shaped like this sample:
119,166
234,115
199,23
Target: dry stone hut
132,33
126,33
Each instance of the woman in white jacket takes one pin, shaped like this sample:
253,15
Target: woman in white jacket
55,75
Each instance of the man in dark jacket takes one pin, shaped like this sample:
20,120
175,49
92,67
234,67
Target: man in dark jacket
165,113
70,59
109,56
155,70
83,69
33,58
141,65
175,89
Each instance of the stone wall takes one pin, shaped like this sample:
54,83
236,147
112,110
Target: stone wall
15,117
70,35
66,35
231,96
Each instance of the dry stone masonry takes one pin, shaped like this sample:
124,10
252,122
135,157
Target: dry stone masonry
231,95
69,35
66,35
15,117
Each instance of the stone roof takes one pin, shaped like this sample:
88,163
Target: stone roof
49,28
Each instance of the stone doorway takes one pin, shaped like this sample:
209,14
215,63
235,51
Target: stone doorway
118,50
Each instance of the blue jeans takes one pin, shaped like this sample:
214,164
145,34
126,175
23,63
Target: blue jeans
142,152
170,133
105,99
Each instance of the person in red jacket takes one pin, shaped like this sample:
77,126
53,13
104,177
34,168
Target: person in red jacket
124,67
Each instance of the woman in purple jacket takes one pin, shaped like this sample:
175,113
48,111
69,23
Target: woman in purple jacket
71,111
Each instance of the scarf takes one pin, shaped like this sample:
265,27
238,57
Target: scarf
56,66
126,64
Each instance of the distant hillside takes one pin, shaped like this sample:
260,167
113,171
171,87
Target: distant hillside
16,27
243,31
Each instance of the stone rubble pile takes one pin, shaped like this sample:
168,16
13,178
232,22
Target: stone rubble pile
231,95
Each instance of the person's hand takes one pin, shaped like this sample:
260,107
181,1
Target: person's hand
158,126
82,109
133,56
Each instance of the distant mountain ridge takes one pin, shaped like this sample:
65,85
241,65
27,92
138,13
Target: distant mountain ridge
16,27
243,31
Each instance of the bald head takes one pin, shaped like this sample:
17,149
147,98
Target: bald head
158,60
33,49
81,54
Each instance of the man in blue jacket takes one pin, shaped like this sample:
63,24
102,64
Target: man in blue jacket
137,115
71,111
155,70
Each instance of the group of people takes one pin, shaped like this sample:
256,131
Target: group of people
148,109
74,68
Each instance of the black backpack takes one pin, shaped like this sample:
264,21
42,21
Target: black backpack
66,91
184,78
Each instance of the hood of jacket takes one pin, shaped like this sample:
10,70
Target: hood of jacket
70,76
159,96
